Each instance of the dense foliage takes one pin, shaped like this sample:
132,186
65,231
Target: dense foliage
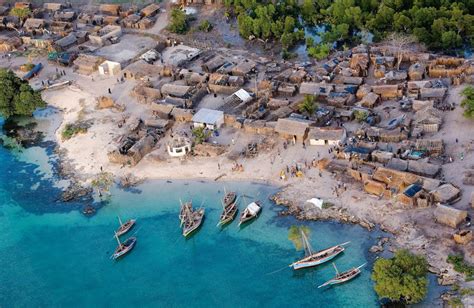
178,22
268,21
308,105
468,102
461,266
402,278
440,24
16,96
20,12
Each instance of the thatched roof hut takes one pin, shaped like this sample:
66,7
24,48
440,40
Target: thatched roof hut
423,168
326,136
244,68
446,193
417,71
110,9
397,164
292,128
449,216
317,89
175,90
150,10
388,91
370,100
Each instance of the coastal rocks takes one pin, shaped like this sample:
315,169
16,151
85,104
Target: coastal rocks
129,180
445,279
380,245
76,192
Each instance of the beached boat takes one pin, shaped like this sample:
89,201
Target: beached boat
228,214
316,258
192,221
185,207
250,212
229,198
124,247
125,227
343,277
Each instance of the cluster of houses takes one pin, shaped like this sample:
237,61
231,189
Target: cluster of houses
59,26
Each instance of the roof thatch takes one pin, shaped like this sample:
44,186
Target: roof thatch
423,168
150,10
369,100
446,193
175,90
449,216
331,134
292,127
312,88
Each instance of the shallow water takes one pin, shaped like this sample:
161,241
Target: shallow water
51,255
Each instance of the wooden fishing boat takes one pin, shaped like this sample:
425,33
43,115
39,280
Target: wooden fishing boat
192,221
228,214
185,207
344,276
124,248
250,212
125,227
317,258
229,198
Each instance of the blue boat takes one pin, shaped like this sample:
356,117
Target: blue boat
124,248
316,258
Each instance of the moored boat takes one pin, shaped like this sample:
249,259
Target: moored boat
344,276
228,214
317,258
124,248
250,212
125,227
185,207
229,198
192,221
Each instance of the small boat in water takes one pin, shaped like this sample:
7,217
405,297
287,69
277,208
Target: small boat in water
316,258
125,227
123,248
228,214
192,221
229,198
344,276
185,207
250,212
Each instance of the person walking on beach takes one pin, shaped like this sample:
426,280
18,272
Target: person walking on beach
110,92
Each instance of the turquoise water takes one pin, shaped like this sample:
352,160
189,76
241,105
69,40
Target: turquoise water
53,256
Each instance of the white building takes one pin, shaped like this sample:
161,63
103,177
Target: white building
179,147
109,68
208,118
326,136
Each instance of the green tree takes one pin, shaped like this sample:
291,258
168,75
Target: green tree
451,39
21,13
468,102
201,135
319,51
205,26
17,98
178,22
402,278
308,105
360,115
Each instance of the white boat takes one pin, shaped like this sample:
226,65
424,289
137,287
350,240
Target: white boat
250,212
344,276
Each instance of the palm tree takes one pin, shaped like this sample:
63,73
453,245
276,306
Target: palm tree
308,105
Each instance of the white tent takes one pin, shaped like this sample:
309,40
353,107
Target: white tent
317,202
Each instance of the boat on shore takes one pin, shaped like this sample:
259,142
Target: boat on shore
317,258
250,212
344,276
124,248
125,227
192,221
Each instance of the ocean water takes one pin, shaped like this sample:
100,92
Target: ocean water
53,256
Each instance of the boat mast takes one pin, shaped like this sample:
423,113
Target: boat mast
337,272
120,221
118,241
307,246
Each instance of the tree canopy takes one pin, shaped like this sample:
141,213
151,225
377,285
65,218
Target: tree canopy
402,278
178,22
468,102
440,24
16,96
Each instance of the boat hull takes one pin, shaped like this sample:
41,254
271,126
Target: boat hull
306,264
128,228
130,244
